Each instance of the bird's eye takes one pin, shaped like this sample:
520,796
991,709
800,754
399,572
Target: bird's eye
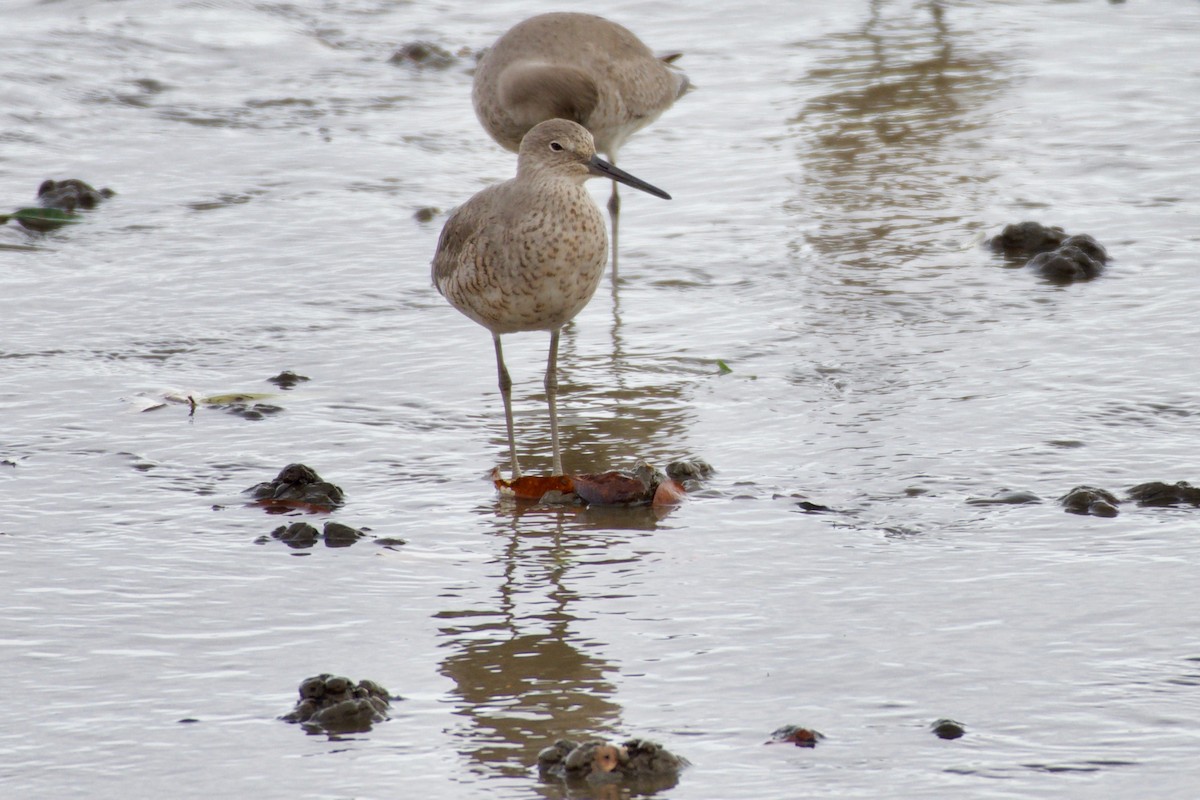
555,146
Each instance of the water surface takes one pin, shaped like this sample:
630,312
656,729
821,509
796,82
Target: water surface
834,174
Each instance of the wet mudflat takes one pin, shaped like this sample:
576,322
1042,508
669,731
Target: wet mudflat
893,411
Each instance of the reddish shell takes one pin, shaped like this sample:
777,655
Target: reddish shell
532,487
611,489
669,493
274,505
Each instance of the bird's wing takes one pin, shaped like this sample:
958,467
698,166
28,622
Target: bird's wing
534,91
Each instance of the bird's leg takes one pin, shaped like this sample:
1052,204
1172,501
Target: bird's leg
614,211
506,395
552,398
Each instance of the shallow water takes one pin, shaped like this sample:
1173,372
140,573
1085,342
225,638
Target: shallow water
834,174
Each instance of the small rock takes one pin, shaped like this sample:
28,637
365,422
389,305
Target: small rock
287,379
335,534
391,541
554,755
1157,493
1088,245
297,484
423,54
1027,239
312,688
797,735
339,535
334,704
644,758
297,535
948,729
1090,500
690,469
70,194
1050,252
639,762
1067,264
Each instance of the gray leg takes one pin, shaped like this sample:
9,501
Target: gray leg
614,212
552,398
506,395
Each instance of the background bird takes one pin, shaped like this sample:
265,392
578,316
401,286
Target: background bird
578,67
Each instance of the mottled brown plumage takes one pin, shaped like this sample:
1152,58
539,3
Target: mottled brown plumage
578,67
528,254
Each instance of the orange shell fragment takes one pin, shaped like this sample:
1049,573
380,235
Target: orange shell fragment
611,489
669,493
533,487
275,505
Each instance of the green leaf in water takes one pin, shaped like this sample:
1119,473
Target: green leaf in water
723,368
43,219
234,397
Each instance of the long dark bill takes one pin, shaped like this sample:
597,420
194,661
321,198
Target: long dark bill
601,168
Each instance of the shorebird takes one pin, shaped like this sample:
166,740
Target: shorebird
527,254
578,67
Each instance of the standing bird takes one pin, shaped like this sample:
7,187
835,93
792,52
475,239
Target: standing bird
578,67
528,254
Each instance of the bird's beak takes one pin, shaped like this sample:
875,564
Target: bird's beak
602,169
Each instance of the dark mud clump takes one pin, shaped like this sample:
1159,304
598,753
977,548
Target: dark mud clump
338,535
298,535
1157,493
287,379
70,195
302,535
1067,264
333,704
1050,252
425,55
1026,239
636,764
1088,246
690,472
1101,503
948,729
1090,500
797,735
805,505
297,486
